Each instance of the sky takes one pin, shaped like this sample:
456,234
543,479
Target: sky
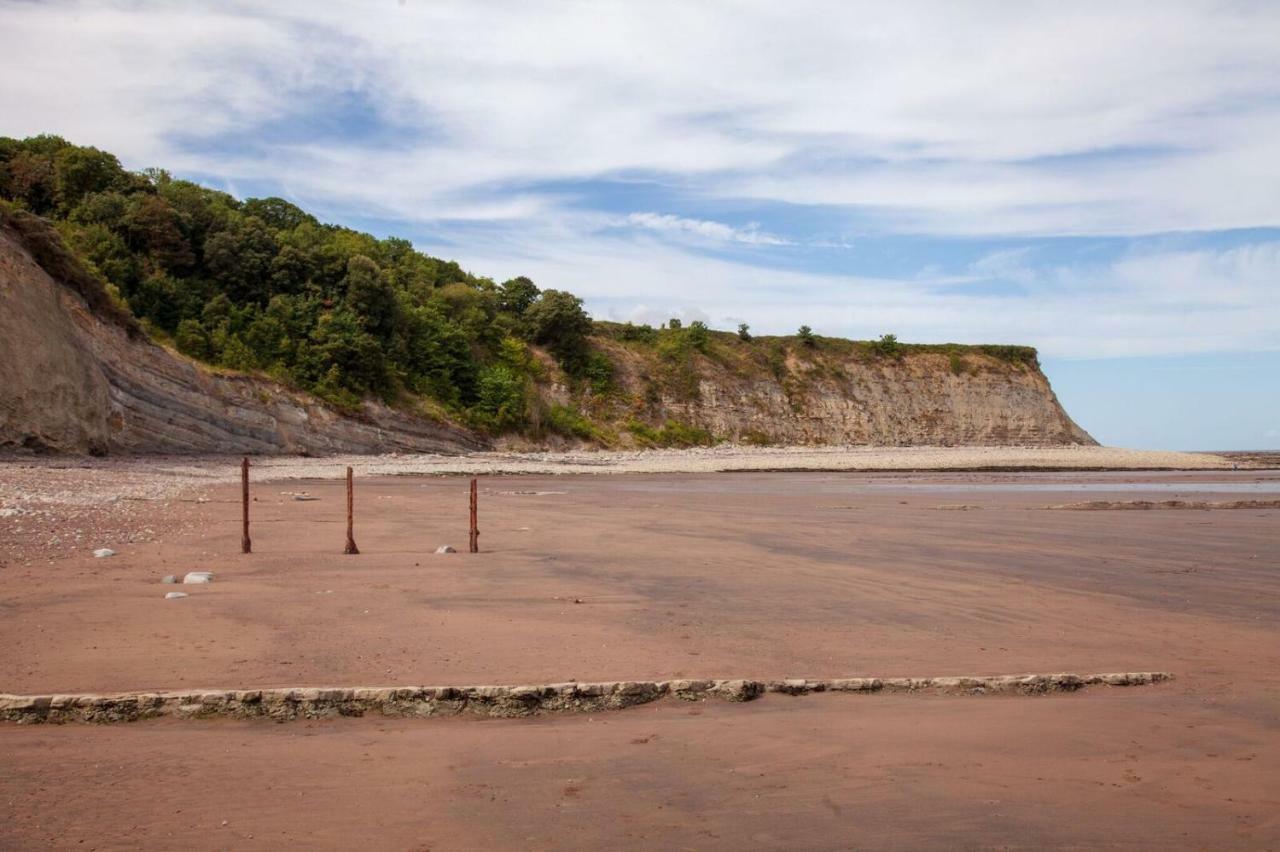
1098,180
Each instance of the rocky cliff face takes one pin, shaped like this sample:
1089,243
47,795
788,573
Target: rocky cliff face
72,382
837,393
77,375
917,401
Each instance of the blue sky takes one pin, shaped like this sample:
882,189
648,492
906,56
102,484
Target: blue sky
1098,180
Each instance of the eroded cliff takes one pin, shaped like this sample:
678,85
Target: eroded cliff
77,374
74,380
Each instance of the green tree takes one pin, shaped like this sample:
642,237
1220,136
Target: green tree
340,340
290,270
157,297
237,355
192,339
806,336
107,252
265,337
744,332
556,320
369,295
239,259
517,295
80,171
155,228
31,181
501,403
277,214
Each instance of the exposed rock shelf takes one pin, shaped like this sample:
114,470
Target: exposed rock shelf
507,701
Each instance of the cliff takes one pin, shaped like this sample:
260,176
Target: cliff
774,390
77,374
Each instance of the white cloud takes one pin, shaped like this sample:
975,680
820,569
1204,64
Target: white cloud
704,228
939,117
1148,303
926,118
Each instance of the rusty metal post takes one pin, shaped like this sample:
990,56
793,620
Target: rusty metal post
246,546
475,530
351,541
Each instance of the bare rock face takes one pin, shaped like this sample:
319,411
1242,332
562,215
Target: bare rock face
922,398
52,395
70,382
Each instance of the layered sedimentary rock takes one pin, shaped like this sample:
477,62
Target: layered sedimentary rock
78,375
72,382
839,396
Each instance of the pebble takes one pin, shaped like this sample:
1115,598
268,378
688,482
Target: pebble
444,548
173,596
103,553
198,577
169,578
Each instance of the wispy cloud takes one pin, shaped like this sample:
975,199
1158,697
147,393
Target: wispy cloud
611,148
705,228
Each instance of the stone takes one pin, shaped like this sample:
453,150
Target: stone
169,578
103,553
738,690
444,548
198,577
304,498
173,596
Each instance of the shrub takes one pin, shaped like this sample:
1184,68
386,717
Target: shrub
806,336
697,335
744,332
638,333
501,404
888,346
569,422
191,339
673,433
598,371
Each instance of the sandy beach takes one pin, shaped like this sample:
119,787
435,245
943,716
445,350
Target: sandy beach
652,575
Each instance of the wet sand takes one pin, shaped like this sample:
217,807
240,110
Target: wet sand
762,575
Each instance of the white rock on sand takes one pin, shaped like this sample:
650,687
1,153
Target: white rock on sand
103,553
173,596
198,577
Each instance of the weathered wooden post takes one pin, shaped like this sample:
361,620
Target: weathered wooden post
475,530
351,541
246,546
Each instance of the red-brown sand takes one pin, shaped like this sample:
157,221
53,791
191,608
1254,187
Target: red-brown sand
749,575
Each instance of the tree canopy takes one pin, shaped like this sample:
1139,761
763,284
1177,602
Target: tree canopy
261,284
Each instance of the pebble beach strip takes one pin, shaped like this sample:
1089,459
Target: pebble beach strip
509,701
